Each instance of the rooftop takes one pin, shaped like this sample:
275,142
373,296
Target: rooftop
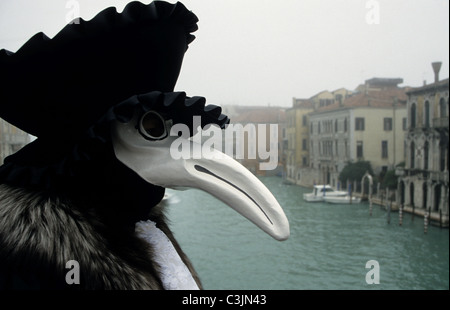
371,98
442,83
384,82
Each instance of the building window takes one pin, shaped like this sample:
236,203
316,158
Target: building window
425,155
384,149
327,126
442,150
442,109
411,194
304,121
304,145
427,115
387,123
305,162
345,125
404,123
359,123
412,155
336,126
413,115
359,149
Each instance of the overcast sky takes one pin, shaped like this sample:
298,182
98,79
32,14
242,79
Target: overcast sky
260,52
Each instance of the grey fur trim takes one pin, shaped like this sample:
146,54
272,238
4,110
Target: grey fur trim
40,234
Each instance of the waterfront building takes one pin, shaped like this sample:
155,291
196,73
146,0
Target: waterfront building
423,183
12,139
297,137
367,125
298,132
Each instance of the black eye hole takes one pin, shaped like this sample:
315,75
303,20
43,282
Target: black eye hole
153,126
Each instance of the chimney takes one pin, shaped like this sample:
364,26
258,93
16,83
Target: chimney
436,68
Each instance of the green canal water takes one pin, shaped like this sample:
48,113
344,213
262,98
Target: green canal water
328,248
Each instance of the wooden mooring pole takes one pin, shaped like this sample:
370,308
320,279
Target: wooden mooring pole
400,215
425,221
369,177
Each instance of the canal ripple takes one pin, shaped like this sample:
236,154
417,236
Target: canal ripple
328,247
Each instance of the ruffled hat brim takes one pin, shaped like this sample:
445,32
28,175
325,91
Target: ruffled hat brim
68,90
47,165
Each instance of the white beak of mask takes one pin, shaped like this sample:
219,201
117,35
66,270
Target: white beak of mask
144,145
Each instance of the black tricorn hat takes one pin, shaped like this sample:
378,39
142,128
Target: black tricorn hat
66,90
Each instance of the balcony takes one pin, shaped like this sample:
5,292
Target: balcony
441,122
437,176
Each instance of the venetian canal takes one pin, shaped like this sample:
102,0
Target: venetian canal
328,248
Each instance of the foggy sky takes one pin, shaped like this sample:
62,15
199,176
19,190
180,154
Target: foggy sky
260,52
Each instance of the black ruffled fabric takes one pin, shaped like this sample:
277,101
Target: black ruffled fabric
49,165
57,88
68,90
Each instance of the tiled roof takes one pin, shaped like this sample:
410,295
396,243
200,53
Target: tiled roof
374,98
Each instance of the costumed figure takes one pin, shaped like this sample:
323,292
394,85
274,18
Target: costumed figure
99,96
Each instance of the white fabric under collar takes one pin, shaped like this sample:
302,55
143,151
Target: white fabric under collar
174,273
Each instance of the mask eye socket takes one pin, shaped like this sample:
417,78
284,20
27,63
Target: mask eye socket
153,126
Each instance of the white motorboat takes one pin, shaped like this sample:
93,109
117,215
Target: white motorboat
342,199
321,191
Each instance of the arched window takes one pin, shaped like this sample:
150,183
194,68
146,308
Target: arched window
426,151
437,197
443,152
442,108
411,194
412,155
413,116
424,195
402,193
427,115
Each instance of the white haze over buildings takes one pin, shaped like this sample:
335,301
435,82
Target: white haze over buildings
260,52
